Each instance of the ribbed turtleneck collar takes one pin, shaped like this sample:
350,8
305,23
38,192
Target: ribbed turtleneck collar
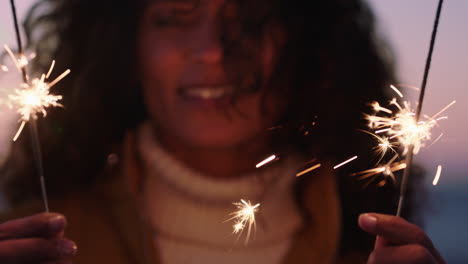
187,207
159,163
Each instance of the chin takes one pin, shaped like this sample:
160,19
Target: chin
217,138
198,133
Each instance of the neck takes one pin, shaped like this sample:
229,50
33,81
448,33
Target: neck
219,162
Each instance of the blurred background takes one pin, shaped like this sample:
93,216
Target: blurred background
407,26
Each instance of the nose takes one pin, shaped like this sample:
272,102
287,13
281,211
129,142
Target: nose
206,46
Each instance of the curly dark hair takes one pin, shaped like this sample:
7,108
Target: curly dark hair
332,62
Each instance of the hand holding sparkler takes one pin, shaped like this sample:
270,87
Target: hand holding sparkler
35,239
398,241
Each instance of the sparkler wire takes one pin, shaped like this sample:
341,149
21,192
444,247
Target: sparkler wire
409,157
36,147
18,38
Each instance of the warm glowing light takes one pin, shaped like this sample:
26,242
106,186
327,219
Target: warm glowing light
266,161
386,170
20,129
244,217
384,144
437,139
237,227
437,176
308,170
345,162
400,124
21,61
396,90
379,108
32,97
443,110
31,100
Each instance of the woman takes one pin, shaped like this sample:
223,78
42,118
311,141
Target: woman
170,106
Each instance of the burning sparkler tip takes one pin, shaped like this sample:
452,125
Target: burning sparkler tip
244,217
33,96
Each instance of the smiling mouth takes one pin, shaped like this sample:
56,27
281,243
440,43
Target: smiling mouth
207,92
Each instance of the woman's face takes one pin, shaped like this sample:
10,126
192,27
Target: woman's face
184,79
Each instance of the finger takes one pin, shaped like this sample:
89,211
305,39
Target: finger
40,225
407,254
394,230
36,250
382,242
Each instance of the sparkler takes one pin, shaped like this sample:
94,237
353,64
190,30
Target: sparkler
345,162
20,62
397,126
402,125
409,158
266,161
32,99
308,170
384,145
386,170
437,176
244,217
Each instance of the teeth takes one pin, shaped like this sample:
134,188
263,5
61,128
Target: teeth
208,92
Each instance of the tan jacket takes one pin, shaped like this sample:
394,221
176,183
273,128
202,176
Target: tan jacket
106,225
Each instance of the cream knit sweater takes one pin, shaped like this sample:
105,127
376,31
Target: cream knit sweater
188,210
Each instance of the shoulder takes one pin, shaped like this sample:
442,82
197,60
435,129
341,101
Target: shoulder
318,198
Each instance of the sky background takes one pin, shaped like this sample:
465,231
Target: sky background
407,26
